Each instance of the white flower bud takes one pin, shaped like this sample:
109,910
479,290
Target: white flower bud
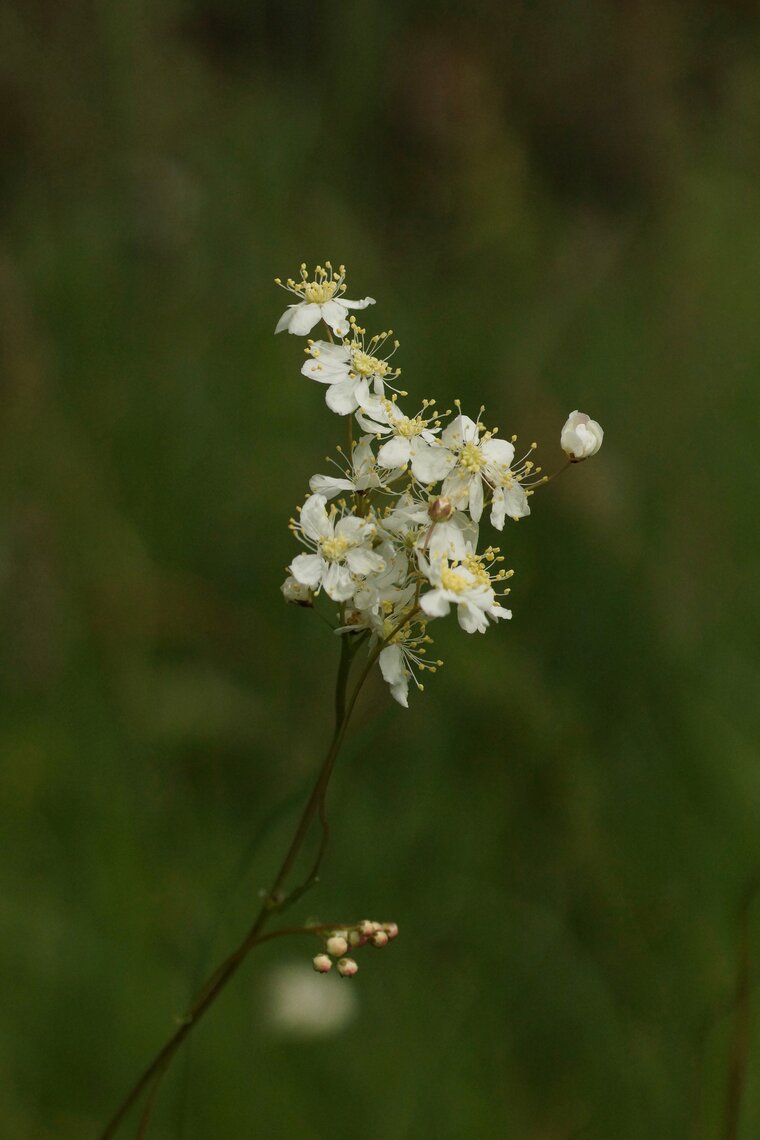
581,437
347,967
336,945
391,929
380,938
322,964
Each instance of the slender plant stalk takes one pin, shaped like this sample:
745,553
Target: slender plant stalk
275,901
740,1044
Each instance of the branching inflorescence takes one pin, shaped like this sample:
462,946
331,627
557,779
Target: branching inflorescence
392,535
391,540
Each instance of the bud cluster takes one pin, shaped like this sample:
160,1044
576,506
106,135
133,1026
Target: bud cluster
338,942
392,533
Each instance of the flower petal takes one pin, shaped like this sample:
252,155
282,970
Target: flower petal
435,603
498,451
357,304
303,318
516,501
476,497
394,453
307,569
461,430
360,560
334,314
429,464
337,582
314,521
471,618
341,397
392,667
328,486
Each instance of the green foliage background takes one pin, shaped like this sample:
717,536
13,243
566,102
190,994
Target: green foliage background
557,205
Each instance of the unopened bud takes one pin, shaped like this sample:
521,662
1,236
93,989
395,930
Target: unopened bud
380,939
440,509
581,437
336,945
347,967
391,929
322,964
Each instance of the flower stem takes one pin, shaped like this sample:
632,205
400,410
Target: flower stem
275,901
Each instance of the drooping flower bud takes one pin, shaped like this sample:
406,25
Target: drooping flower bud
581,437
347,967
322,964
440,509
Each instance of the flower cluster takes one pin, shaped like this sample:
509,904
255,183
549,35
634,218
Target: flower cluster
392,534
338,942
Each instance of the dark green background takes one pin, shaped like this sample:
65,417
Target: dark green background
557,205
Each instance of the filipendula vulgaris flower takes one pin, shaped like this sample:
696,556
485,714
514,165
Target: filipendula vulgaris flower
354,371
342,546
359,474
399,548
469,586
483,463
410,441
319,299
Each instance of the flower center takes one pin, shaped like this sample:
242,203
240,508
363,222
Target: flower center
365,365
472,458
333,549
477,569
317,292
453,581
410,428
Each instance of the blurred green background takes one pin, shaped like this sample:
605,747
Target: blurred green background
557,206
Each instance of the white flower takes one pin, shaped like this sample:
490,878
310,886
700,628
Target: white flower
413,442
480,460
468,587
320,299
387,591
363,477
349,369
404,655
581,436
342,549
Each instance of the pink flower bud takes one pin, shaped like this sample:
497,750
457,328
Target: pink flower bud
336,945
380,938
440,509
322,964
391,929
347,967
